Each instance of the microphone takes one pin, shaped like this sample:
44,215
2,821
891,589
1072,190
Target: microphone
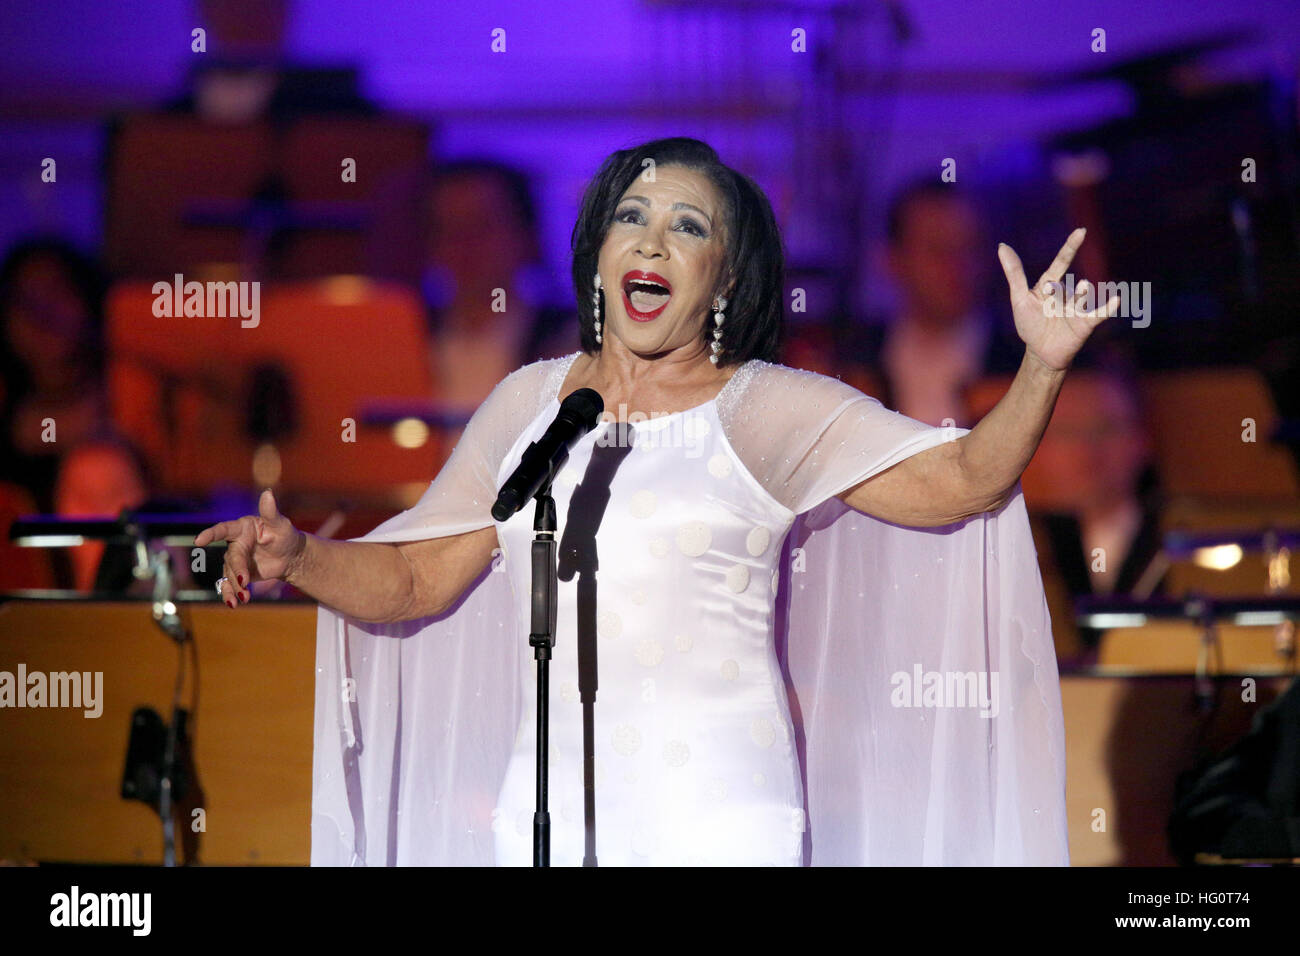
578,415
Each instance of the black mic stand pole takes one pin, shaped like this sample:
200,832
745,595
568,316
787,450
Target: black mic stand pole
158,564
542,639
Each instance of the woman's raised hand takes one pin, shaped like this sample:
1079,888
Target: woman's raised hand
1052,329
260,547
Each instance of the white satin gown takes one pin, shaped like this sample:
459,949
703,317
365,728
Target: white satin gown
694,757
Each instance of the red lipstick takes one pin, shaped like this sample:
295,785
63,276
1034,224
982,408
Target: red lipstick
639,275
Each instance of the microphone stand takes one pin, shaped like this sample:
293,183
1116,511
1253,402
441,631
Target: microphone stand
166,615
578,415
542,640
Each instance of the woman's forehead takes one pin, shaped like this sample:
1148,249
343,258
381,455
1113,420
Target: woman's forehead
676,183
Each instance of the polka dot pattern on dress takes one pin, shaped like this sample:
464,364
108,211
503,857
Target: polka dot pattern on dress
649,652
738,577
676,753
695,428
627,740
694,538
609,624
643,504
762,732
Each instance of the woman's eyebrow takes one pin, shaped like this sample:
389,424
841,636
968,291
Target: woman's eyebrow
677,205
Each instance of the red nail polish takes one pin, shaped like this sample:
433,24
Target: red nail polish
230,604
240,579
243,599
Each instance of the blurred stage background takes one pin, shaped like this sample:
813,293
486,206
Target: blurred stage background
1164,496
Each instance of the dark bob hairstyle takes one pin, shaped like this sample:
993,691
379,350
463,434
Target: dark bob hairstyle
755,261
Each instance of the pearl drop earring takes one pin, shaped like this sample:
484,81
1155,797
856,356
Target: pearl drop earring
595,307
719,317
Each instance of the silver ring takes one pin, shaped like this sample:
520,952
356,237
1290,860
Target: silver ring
219,583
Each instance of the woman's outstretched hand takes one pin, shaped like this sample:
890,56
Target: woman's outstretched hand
260,547
1052,329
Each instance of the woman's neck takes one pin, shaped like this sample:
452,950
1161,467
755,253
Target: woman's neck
660,385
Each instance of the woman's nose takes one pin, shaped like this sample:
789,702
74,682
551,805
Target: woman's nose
651,245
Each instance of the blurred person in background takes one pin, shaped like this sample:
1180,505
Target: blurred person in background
245,74
482,230
1093,483
1094,500
99,477
51,366
943,337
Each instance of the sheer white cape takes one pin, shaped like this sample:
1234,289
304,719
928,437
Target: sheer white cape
919,662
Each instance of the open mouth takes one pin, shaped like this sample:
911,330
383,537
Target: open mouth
645,295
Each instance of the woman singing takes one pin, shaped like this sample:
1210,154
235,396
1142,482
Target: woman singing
794,626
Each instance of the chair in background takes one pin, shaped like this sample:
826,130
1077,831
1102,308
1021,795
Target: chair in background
213,403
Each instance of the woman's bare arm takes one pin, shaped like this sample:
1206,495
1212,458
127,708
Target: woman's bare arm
366,580
375,581
976,472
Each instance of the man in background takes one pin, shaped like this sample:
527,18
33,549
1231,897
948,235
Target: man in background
943,336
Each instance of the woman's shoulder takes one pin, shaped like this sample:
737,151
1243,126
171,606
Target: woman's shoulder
540,380
519,398
543,367
769,386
